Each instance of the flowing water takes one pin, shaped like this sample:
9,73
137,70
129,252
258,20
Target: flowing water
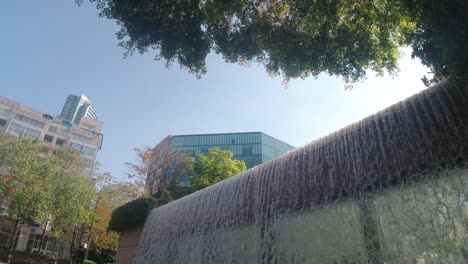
392,188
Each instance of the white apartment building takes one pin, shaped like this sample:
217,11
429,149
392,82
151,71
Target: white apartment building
21,121
84,136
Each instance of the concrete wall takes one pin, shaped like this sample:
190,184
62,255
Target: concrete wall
128,242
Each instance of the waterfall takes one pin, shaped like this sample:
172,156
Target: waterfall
391,188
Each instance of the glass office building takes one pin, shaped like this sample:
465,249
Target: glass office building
252,147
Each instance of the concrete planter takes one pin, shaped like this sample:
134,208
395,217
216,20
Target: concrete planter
128,242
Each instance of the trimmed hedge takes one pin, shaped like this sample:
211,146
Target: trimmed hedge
132,214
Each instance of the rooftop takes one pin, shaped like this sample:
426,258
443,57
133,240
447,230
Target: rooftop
233,133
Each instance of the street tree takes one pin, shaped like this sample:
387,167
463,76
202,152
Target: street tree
139,171
73,195
156,165
25,174
206,170
45,186
214,167
109,197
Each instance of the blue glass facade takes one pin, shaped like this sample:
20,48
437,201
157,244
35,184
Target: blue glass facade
252,147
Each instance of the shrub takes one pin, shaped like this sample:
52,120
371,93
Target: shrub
102,256
132,214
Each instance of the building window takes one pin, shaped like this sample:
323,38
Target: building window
6,112
75,146
30,121
48,138
88,152
32,133
64,132
84,150
37,123
81,138
21,131
60,142
204,151
53,129
16,130
247,150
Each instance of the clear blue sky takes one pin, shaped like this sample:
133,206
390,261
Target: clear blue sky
53,48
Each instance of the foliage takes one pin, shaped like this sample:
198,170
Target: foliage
208,169
441,37
25,180
168,164
42,185
177,189
132,214
87,261
163,198
214,167
140,170
154,165
22,257
102,256
109,197
297,38
73,195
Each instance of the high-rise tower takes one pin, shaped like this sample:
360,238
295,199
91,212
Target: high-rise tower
77,107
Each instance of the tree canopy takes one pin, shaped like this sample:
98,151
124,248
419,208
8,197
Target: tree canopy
153,166
217,165
214,167
41,185
108,198
440,37
25,179
206,170
296,38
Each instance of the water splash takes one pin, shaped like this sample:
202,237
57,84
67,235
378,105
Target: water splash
340,199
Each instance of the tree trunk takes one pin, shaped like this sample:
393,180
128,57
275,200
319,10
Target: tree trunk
87,249
78,243
88,242
14,241
43,236
72,246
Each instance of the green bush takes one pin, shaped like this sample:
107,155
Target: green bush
102,256
132,214
37,255
87,261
